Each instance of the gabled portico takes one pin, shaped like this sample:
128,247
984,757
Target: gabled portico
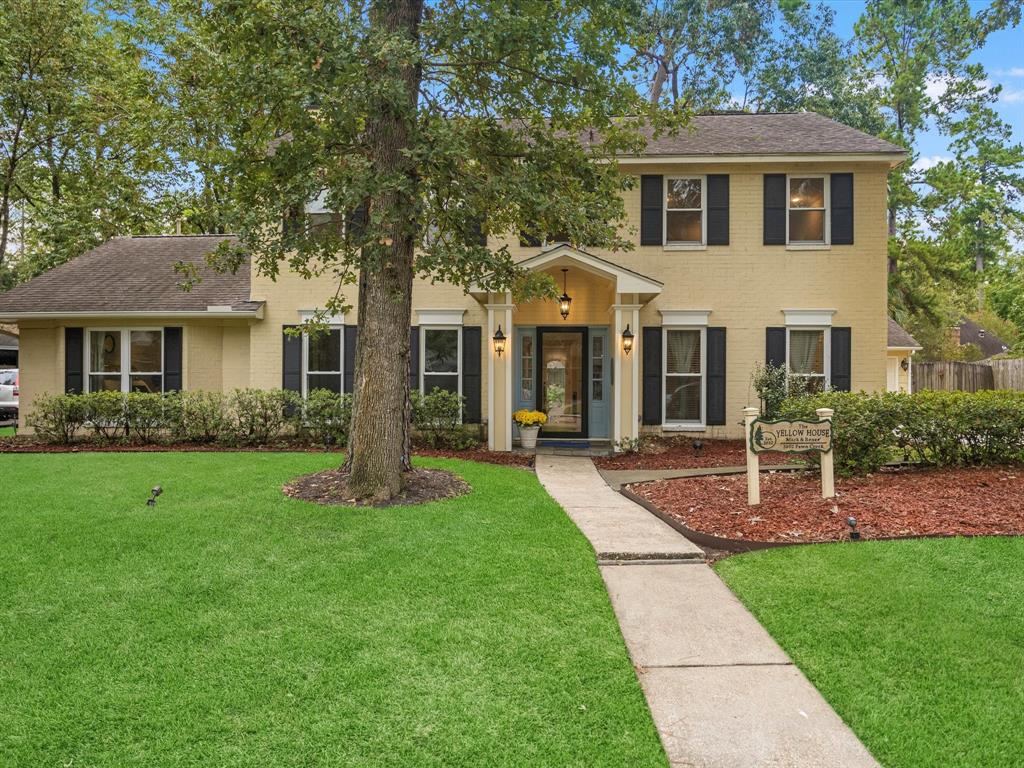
574,368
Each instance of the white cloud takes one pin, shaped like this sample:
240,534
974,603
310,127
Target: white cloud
1011,97
1011,72
930,161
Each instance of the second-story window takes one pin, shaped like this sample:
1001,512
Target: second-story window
684,210
808,209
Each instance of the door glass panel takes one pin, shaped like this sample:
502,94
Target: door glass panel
561,377
597,368
526,378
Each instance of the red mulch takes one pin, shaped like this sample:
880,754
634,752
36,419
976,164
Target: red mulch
26,444
891,503
678,453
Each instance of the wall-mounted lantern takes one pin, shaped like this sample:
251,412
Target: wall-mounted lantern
627,340
905,364
499,341
564,301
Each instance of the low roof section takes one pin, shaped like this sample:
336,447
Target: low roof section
899,338
136,277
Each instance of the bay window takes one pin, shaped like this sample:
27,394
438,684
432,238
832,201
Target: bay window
807,210
684,211
683,383
125,360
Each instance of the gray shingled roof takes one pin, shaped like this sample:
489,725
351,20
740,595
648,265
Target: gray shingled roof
133,274
988,342
898,337
787,133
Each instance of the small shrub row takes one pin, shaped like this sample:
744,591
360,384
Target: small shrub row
241,417
938,428
244,416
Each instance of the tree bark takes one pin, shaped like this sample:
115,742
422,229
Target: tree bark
379,437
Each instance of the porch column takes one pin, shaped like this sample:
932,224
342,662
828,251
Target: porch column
499,374
626,416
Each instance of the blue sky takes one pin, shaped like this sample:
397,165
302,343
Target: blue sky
1002,57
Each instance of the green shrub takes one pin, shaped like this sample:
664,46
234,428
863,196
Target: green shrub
57,418
326,416
939,428
774,385
201,417
147,414
105,413
261,415
437,417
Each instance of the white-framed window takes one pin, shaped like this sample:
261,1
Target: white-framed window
808,353
685,210
807,209
684,350
125,359
441,358
323,356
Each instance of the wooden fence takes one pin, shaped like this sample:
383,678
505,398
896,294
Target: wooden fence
969,377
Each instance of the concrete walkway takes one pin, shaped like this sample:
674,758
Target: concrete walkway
722,693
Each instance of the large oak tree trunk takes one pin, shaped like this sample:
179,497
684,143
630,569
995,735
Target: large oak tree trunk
379,438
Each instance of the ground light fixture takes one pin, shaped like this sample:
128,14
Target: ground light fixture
627,340
499,342
156,491
854,533
564,300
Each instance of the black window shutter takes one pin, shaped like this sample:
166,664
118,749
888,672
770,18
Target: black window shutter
356,220
718,209
652,376
841,379
475,234
172,359
652,189
775,346
526,240
775,209
291,368
716,376
471,379
414,357
351,333
842,208
74,359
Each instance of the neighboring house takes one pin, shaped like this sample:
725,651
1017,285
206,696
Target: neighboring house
969,332
758,237
8,348
899,360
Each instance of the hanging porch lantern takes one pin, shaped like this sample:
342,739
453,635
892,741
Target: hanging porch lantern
627,340
564,301
499,342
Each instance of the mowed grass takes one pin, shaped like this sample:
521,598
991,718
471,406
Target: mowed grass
7,431
230,626
919,645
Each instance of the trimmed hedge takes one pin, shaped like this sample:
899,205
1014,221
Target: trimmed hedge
937,428
242,417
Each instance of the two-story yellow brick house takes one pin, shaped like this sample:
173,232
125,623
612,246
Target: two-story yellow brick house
758,238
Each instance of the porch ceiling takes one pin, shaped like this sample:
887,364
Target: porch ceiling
625,280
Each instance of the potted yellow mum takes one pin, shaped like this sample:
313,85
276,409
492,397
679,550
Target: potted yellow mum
529,423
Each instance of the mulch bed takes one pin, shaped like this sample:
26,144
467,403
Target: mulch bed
678,453
889,504
421,485
26,444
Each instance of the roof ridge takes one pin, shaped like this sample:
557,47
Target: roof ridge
155,237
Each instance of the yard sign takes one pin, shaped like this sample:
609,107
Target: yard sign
763,435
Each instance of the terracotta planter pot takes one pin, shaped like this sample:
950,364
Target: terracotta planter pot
528,436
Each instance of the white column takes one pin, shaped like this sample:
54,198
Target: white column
499,437
626,366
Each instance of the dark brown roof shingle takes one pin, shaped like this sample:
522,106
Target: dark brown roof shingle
899,337
133,274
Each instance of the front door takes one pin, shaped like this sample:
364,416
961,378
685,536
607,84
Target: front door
562,381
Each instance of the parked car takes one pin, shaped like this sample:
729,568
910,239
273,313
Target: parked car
9,395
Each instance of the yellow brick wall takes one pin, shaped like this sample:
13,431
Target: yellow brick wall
40,364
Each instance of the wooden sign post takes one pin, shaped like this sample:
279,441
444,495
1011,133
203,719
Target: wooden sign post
788,437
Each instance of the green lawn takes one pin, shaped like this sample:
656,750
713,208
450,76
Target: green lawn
919,645
230,626
6,431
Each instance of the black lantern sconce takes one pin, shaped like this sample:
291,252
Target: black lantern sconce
499,342
905,364
564,301
627,340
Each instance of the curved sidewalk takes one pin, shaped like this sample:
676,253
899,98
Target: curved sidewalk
721,691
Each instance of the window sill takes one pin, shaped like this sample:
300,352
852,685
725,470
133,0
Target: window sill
808,247
684,427
685,247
